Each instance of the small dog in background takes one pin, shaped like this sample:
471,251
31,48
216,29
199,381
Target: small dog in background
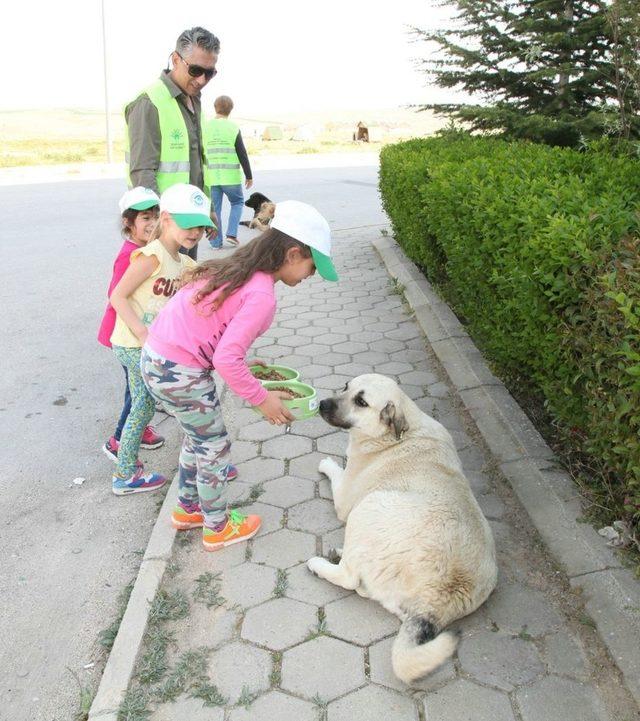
263,210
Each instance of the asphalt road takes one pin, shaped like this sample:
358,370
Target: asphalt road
67,549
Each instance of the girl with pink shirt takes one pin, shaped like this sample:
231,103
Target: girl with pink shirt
210,325
139,210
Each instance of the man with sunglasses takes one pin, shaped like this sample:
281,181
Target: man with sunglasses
164,122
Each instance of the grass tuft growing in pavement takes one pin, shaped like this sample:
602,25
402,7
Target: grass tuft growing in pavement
207,590
247,697
208,693
321,627
282,583
275,677
256,491
321,707
168,607
134,706
153,664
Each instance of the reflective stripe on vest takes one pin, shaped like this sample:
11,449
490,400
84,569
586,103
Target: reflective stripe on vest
174,166
222,166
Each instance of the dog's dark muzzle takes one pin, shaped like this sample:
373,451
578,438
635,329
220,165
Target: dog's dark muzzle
329,411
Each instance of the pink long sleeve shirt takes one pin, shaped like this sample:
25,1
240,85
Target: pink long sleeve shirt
199,337
120,264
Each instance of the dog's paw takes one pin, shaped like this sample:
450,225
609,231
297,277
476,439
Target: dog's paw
314,564
327,465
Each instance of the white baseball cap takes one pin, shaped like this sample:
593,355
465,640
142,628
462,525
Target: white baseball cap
188,206
303,222
138,198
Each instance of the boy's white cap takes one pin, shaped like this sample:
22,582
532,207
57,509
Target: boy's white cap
303,222
188,206
138,198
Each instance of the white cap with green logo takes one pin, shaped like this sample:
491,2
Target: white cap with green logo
138,198
304,223
187,205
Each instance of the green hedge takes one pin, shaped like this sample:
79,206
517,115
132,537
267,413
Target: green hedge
537,249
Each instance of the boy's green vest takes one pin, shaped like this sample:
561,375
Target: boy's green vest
222,166
174,166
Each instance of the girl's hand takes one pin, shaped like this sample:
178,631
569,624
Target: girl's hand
274,410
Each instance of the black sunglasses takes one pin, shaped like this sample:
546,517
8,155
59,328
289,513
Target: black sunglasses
197,70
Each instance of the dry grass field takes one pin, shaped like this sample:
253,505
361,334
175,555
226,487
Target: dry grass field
48,137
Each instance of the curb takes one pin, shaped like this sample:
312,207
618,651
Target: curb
122,658
549,496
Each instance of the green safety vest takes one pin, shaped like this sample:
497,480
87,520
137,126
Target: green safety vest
222,166
174,165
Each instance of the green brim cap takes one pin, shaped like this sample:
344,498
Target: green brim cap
324,265
192,220
145,204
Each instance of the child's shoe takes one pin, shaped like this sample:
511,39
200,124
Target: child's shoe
184,517
232,472
110,449
151,439
237,528
138,483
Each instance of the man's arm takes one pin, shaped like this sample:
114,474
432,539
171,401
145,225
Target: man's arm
243,158
144,142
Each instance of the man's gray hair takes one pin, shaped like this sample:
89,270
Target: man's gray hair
197,37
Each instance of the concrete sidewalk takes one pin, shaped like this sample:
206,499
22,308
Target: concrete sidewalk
251,633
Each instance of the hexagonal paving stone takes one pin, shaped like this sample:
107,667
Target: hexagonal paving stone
335,443
419,378
248,584
370,357
514,607
313,370
286,447
187,708
354,369
472,457
564,655
317,516
287,491
372,704
560,698
275,706
243,451
237,490
350,347
258,470
312,427
332,359
462,700
387,345
498,660
307,466
279,623
491,506
238,665
324,488
323,666
333,382
359,620
302,585
405,331
272,517
284,548
331,338
382,671
393,368
259,431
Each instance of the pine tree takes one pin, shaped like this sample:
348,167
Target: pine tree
543,69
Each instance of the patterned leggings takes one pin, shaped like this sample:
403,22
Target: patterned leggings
190,395
142,410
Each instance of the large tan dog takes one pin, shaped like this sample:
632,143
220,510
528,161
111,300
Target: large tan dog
415,539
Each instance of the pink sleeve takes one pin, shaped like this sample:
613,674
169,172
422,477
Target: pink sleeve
120,265
251,320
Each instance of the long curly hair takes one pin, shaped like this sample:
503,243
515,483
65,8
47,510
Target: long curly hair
267,253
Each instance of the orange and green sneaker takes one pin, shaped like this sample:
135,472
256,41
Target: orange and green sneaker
184,517
238,528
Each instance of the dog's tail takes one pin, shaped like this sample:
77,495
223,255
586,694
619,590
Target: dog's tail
420,648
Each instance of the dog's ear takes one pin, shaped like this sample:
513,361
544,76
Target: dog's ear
394,419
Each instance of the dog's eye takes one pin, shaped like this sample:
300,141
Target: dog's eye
360,401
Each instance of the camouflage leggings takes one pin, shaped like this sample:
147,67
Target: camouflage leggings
189,394
141,412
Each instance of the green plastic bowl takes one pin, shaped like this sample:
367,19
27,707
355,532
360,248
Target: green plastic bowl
301,408
290,374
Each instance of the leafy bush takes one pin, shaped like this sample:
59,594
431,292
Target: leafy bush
537,249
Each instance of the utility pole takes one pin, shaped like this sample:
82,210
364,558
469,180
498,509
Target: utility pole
106,86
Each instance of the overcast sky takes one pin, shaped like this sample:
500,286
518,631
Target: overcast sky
278,55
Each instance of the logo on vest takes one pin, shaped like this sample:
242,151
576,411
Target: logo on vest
176,134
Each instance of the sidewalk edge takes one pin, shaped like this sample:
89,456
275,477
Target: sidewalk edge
549,496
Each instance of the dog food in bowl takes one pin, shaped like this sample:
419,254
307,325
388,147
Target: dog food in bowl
303,402
274,373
